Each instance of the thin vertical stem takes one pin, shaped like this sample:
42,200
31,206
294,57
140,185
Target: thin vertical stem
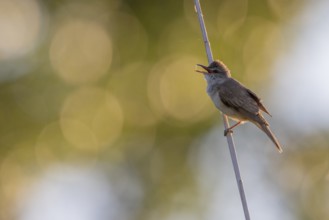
229,136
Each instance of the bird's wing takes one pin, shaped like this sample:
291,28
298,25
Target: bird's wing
258,101
235,95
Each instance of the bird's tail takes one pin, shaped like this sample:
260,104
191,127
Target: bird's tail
263,125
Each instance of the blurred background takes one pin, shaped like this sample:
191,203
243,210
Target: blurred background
103,116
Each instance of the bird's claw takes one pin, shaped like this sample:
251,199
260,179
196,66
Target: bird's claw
226,131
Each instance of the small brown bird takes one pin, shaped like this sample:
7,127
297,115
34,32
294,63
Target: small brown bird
235,100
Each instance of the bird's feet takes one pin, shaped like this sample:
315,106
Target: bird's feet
226,131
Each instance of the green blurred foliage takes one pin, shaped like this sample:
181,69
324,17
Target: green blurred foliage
55,109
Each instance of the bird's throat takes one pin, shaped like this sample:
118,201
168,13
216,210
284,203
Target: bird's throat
215,78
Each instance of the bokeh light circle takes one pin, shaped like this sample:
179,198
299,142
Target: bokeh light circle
81,51
133,94
51,147
177,91
20,25
91,118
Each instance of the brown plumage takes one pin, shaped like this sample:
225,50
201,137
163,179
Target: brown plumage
235,100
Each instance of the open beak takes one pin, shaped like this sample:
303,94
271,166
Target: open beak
204,67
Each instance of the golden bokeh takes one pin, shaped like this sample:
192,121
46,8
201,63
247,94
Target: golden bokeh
133,94
20,25
266,35
131,37
111,85
91,118
16,174
51,146
285,9
81,51
227,20
177,91
79,134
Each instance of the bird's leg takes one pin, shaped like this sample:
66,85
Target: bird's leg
229,130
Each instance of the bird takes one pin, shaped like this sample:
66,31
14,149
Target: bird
234,100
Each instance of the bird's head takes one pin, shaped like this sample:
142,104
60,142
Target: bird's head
215,68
